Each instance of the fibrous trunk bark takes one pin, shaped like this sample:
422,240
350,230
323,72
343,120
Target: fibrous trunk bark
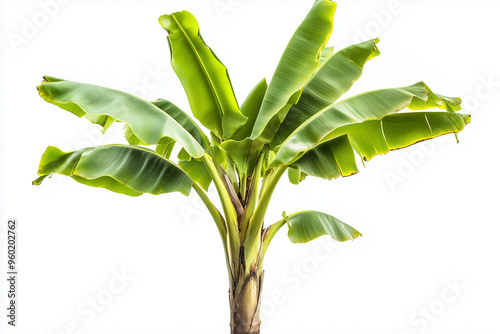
244,301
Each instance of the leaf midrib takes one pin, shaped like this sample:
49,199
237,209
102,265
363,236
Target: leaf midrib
204,70
310,119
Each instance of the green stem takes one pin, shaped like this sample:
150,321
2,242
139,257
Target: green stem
219,222
253,237
232,175
265,181
254,194
217,217
267,193
271,232
243,187
232,235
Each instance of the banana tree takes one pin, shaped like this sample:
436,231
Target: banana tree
297,124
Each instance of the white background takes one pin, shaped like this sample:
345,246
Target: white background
429,214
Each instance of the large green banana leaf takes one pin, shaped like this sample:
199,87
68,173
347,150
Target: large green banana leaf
204,78
299,61
333,79
357,109
148,123
305,226
329,159
379,136
250,108
334,157
129,170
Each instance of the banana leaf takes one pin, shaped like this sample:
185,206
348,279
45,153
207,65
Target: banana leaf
146,121
305,226
204,78
129,170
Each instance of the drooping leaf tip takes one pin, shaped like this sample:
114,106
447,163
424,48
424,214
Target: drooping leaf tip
164,21
48,78
38,181
44,80
356,236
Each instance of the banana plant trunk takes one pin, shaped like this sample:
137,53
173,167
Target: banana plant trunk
244,299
